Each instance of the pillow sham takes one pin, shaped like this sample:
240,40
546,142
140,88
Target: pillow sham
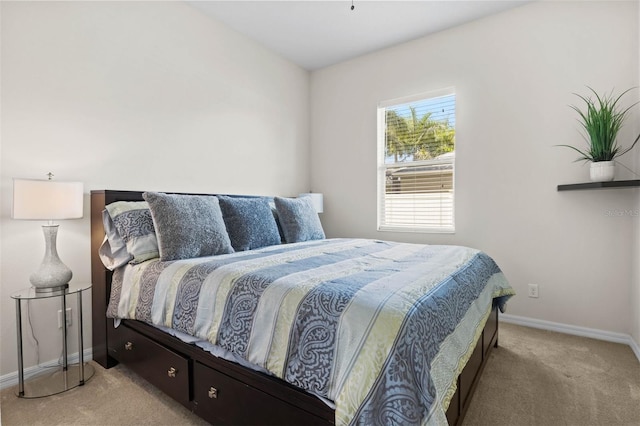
299,219
113,258
188,225
250,222
130,234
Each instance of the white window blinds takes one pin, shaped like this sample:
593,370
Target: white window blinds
416,145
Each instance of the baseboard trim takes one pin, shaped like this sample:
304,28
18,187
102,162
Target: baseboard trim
592,333
635,348
11,379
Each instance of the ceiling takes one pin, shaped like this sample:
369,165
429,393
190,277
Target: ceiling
316,34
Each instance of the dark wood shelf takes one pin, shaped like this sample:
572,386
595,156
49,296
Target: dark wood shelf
601,185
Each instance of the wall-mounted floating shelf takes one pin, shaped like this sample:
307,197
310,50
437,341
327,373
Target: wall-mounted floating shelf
601,185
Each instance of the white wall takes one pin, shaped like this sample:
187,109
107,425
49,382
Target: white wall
141,96
514,75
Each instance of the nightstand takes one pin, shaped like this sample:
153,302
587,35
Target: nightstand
66,376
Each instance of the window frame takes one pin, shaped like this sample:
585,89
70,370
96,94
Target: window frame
382,166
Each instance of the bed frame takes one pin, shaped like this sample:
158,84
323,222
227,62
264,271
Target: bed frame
217,390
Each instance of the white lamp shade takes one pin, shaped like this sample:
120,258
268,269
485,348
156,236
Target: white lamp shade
46,200
317,199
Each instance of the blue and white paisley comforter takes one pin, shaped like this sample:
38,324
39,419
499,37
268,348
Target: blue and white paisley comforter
382,329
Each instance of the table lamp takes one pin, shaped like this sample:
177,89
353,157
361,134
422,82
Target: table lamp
48,200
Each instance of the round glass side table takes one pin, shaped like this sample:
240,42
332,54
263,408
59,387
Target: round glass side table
66,376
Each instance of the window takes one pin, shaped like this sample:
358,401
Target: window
416,155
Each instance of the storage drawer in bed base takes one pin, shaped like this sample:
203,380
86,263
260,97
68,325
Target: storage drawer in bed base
219,391
164,368
220,399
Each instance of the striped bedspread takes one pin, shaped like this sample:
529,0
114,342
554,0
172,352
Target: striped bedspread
382,329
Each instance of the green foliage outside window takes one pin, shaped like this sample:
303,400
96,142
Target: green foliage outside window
417,137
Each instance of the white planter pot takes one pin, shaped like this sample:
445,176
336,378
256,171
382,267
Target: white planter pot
602,171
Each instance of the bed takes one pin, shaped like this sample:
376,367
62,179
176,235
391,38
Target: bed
312,331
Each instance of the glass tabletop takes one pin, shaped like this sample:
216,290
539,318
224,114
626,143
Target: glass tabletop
31,293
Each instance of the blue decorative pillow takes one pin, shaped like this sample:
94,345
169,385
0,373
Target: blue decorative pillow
299,219
250,222
188,225
130,234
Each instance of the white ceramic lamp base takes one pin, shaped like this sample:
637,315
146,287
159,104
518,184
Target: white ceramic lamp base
52,275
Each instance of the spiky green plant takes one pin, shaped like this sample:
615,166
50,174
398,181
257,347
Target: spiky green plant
602,121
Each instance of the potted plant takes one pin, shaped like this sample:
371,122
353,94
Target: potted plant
601,121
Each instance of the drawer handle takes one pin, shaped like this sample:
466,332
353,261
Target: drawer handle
128,346
172,372
213,393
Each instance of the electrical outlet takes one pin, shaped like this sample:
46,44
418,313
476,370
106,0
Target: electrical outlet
533,290
69,321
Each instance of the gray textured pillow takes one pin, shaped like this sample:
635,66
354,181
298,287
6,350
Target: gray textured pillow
299,219
188,225
250,222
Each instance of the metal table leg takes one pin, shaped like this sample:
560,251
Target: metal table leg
80,342
20,362
64,332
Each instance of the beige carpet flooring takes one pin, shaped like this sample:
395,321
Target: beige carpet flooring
538,377
534,378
